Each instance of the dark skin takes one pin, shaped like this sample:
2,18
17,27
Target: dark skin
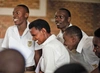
41,36
96,71
38,54
11,61
96,43
20,18
62,19
71,41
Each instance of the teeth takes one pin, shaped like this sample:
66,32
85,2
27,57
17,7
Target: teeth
58,23
36,41
15,19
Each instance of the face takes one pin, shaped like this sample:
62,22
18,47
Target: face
38,36
19,15
61,19
96,43
68,41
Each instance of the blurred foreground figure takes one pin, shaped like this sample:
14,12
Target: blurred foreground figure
11,61
71,68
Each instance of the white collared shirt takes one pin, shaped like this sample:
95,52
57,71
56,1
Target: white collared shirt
24,41
60,35
54,55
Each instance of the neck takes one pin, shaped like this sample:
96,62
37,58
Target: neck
21,28
64,28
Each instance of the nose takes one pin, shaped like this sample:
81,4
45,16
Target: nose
94,50
14,15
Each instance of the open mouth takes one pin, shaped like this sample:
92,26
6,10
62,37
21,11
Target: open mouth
36,41
15,20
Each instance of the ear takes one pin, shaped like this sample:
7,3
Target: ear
43,30
26,15
69,19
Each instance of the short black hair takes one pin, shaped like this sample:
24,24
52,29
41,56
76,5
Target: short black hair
71,68
99,66
97,33
67,11
25,7
39,24
74,30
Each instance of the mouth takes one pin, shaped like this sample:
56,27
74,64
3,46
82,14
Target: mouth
58,24
15,20
36,41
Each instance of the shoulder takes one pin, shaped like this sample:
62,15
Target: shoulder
11,27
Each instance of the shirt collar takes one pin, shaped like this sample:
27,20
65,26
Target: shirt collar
52,37
81,44
26,30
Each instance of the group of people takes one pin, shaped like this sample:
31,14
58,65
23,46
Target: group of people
40,51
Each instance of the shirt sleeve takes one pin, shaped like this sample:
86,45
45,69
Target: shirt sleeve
5,40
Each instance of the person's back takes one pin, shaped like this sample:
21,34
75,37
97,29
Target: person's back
11,61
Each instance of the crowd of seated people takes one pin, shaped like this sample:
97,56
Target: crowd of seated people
32,48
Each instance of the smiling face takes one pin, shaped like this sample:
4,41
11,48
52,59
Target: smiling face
62,19
38,35
70,41
96,43
19,15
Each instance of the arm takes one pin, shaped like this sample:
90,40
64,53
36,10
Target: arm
37,56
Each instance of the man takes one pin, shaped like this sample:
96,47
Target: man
18,36
62,20
54,54
11,61
96,43
71,68
80,48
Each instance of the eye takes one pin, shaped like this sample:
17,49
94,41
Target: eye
61,17
18,12
55,17
96,46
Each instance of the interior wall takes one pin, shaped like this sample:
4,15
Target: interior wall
84,14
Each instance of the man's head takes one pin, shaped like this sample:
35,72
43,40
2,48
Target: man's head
72,36
40,30
11,61
96,42
62,18
20,14
71,68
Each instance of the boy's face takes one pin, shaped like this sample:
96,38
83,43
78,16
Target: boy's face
38,35
19,15
68,41
61,19
96,43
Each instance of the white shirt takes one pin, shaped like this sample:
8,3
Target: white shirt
54,55
23,44
60,35
84,54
